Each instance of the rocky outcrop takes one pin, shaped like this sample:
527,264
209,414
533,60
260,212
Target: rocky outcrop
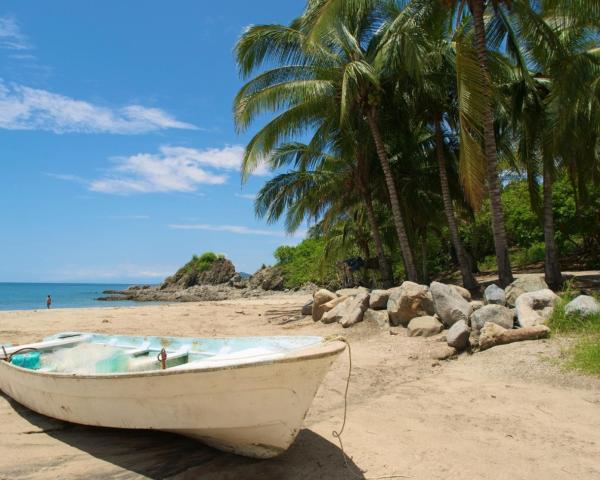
424,327
337,309
497,314
458,335
268,278
211,272
535,308
524,284
583,306
463,292
378,299
494,295
408,301
492,335
449,304
350,292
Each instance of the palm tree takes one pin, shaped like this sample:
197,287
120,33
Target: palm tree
326,83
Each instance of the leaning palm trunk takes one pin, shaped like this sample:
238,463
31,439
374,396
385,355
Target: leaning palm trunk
409,263
385,268
498,228
469,281
551,266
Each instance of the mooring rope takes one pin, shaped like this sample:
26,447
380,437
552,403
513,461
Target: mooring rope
338,434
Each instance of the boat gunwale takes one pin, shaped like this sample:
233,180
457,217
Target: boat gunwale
327,348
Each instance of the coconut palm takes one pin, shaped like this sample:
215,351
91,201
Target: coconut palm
325,83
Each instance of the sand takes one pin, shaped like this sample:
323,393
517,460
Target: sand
508,413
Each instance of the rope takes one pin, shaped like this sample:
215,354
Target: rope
338,434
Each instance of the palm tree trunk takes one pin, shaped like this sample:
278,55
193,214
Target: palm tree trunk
409,262
551,266
387,278
469,281
498,228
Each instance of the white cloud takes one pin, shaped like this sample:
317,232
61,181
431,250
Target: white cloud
172,169
120,272
11,37
235,229
247,196
25,108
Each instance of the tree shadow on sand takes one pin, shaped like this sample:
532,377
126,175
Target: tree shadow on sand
159,455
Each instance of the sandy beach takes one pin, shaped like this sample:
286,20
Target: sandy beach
507,413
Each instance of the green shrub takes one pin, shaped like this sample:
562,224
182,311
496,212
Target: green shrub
303,263
197,265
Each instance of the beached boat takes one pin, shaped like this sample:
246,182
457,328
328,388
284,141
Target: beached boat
246,395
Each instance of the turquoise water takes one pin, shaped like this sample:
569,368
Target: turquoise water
30,296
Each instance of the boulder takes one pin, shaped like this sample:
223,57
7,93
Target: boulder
380,318
355,309
494,295
330,306
449,304
492,335
378,299
463,292
350,292
524,284
307,308
476,304
534,308
458,335
424,327
583,306
497,314
320,297
408,301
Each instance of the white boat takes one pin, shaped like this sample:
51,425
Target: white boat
245,395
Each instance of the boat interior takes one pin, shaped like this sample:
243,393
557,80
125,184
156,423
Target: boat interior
98,354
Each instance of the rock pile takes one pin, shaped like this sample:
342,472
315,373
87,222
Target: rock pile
427,310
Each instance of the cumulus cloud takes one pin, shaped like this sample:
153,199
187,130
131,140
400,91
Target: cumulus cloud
235,229
25,108
11,36
172,169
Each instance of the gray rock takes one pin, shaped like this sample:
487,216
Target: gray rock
583,306
380,318
463,292
497,314
378,299
494,295
424,327
408,301
355,309
534,308
458,335
321,297
524,284
449,304
307,308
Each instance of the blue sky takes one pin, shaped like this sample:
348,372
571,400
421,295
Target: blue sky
118,152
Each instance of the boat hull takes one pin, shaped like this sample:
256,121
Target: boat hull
254,410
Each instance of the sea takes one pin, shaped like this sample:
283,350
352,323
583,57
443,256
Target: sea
31,296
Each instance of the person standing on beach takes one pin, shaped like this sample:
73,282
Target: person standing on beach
49,302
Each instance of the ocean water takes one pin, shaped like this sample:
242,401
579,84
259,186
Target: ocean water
30,296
